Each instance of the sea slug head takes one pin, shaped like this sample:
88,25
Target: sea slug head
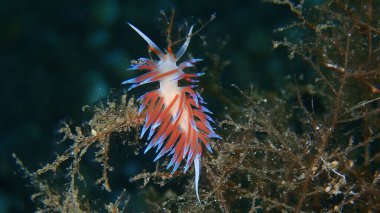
169,55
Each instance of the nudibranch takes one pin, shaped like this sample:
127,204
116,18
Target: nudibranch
176,122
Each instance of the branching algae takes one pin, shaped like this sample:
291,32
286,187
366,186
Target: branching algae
313,148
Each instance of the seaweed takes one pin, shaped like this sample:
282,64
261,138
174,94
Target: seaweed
113,117
314,147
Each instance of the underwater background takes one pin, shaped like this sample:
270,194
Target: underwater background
58,56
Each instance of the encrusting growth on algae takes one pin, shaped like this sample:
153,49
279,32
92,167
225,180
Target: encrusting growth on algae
314,147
